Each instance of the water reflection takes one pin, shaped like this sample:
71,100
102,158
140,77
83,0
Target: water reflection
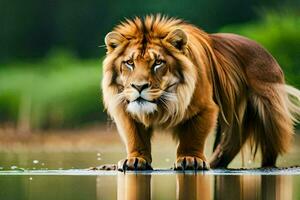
204,187
193,186
253,187
155,186
134,187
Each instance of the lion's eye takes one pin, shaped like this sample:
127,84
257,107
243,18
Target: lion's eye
129,64
158,64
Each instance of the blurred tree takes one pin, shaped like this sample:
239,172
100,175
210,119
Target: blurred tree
29,29
279,32
60,90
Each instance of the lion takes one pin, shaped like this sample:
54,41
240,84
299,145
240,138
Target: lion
163,73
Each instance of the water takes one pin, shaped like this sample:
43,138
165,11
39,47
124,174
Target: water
52,172
149,186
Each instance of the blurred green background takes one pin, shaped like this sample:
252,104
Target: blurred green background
50,59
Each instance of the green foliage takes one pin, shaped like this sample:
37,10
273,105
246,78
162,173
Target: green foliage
59,91
29,30
63,91
280,34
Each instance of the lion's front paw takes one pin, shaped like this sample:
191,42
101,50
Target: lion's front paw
133,163
190,163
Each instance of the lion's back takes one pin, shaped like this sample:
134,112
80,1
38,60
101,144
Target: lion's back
257,63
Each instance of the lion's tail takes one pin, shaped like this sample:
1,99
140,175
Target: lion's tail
271,117
293,102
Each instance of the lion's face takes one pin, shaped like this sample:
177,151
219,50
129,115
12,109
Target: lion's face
148,79
153,75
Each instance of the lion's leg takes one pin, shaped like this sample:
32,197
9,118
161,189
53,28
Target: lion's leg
269,158
192,135
268,124
138,145
230,145
229,142
225,152
222,157
217,138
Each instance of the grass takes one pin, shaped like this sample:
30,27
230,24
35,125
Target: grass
59,91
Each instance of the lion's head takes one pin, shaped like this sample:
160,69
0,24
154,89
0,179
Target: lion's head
148,70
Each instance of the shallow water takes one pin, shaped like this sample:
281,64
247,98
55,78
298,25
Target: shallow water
40,174
149,186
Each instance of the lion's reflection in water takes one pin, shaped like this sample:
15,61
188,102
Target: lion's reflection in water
197,186
134,186
253,187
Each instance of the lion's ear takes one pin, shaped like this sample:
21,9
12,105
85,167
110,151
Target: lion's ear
177,38
113,40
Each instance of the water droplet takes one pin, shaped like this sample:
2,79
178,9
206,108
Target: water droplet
167,159
35,161
13,167
42,164
249,161
30,178
98,154
99,159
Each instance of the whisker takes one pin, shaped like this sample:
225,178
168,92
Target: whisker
164,103
120,98
169,96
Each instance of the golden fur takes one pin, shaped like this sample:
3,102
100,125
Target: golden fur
162,72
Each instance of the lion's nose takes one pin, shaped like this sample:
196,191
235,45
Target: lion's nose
140,87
